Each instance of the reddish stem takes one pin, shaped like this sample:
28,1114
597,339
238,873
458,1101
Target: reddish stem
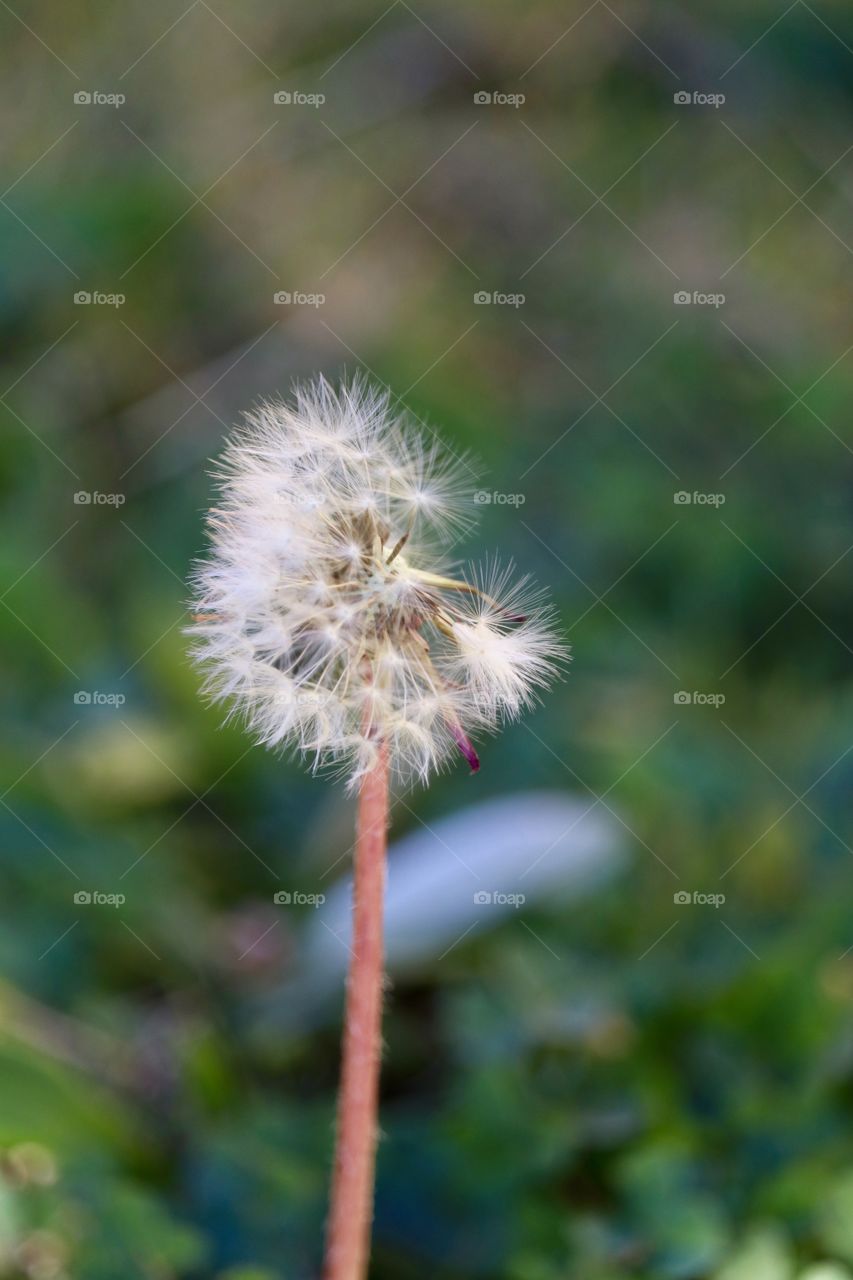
351,1209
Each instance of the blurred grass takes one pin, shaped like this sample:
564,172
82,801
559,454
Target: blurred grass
658,1090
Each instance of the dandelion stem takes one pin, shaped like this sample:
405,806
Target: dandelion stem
351,1210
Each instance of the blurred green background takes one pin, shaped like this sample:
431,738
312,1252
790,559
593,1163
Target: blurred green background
623,1084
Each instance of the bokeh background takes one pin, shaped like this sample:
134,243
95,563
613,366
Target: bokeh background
647,1075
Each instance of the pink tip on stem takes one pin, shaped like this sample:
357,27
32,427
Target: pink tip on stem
465,745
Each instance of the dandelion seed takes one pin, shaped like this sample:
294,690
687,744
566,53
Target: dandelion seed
327,618
326,615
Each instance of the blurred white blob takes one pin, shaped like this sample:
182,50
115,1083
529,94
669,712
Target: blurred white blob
473,868
460,876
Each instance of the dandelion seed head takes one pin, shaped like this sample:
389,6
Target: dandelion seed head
323,614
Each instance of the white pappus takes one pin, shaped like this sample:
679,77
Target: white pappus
324,613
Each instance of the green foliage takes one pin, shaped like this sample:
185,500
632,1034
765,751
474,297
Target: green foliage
626,1088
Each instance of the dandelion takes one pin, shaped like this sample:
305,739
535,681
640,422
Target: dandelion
328,617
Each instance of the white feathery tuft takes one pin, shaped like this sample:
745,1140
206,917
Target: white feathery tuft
323,613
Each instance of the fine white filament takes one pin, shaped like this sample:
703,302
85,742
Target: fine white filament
324,613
